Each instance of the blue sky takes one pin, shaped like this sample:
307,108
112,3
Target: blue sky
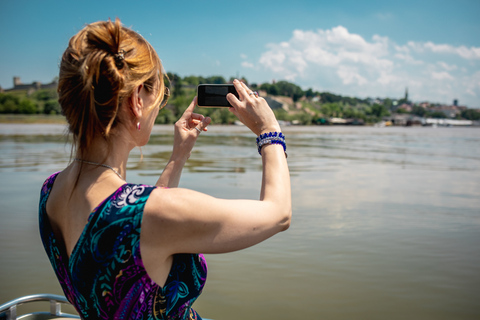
352,48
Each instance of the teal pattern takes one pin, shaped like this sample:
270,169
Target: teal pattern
105,278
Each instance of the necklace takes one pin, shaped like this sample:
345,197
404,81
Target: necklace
100,164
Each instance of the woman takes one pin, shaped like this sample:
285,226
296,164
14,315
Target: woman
129,251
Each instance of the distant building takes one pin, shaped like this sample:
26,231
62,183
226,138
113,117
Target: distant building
274,103
449,111
32,87
404,120
406,107
425,105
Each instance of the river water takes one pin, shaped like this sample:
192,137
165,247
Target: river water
386,221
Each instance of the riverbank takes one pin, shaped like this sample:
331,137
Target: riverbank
32,118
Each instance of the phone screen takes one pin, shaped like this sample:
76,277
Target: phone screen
214,95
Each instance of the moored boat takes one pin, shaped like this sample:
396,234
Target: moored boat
9,310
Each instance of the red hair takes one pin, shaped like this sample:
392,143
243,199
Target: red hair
101,67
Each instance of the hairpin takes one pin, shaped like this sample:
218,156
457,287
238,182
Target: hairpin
119,57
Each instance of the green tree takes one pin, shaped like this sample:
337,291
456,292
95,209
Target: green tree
288,89
327,97
437,115
165,116
45,95
175,83
9,103
270,89
192,80
178,89
27,106
332,109
309,93
379,110
180,103
215,80
419,111
9,106
51,107
388,103
471,114
305,118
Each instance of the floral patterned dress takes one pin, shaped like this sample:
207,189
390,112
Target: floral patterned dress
105,278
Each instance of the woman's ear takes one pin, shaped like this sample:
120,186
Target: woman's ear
135,102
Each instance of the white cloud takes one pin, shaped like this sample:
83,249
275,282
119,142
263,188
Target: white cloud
442,75
471,53
243,56
404,54
247,64
273,60
331,48
339,61
446,66
350,75
473,85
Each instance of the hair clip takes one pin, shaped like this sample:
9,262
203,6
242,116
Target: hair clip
119,57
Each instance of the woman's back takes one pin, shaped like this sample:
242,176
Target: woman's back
74,197
118,249
104,277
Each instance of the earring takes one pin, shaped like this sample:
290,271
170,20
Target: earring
138,125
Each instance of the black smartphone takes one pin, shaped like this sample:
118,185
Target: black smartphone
214,95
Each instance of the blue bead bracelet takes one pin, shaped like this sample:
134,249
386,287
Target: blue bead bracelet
271,138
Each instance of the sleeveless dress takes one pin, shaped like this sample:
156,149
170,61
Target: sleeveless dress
105,278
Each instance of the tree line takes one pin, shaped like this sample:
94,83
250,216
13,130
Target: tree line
43,101
308,106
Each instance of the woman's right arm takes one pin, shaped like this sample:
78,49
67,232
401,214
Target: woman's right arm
185,137
185,221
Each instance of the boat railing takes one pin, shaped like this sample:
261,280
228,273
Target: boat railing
8,310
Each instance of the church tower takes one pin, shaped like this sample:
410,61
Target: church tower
406,94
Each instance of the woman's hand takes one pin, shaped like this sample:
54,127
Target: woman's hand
251,110
178,220
187,130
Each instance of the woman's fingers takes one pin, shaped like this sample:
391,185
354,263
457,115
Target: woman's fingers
200,124
190,120
241,89
234,101
252,110
243,93
188,112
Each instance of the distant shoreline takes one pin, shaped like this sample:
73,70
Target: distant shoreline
60,120
32,118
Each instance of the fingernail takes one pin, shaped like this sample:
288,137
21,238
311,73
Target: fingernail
235,81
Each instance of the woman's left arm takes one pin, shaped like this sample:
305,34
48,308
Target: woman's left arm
187,130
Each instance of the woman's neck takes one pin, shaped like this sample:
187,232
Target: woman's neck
113,153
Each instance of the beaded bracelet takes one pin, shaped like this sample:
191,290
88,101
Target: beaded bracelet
271,138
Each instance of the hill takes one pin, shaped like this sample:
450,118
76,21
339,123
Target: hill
289,102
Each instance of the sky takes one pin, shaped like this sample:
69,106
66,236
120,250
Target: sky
351,48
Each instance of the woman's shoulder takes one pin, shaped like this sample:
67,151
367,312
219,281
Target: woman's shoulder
125,205
48,183
131,193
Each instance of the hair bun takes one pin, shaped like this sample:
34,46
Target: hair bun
119,58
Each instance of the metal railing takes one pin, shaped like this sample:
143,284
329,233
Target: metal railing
9,310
